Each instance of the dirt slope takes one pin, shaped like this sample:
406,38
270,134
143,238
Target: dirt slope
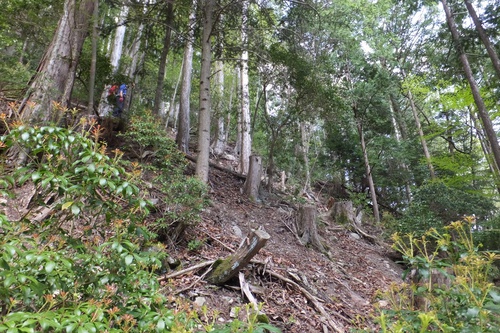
343,284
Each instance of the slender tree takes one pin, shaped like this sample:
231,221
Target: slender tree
481,107
163,57
183,127
245,138
202,165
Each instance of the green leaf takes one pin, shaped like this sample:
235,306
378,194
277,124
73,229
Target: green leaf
495,295
160,326
129,259
49,267
25,136
9,281
4,264
102,181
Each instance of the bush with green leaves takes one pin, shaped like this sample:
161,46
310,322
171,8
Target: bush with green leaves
464,301
435,205
183,197
72,173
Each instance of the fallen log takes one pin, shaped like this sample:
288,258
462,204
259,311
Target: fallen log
225,269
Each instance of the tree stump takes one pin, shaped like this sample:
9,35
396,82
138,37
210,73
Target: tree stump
225,269
306,227
252,184
342,212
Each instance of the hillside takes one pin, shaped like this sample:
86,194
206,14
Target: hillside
345,285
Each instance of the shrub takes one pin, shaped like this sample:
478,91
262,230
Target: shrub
184,196
467,302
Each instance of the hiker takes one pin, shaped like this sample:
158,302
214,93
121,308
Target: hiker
120,100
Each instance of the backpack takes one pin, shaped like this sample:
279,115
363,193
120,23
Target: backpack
123,90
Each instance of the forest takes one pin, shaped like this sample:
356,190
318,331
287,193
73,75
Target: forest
124,124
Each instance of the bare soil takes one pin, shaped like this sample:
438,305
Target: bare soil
346,281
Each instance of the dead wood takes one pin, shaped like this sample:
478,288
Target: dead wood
187,270
306,227
314,300
219,167
225,269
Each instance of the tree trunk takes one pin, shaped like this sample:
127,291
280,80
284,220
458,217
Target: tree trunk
163,58
116,53
183,126
219,144
202,166
93,64
225,269
252,183
368,170
54,79
304,131
481,107
484,37
246,140
421,136
306,227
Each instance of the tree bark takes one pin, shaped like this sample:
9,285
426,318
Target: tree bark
252,183
225,269
202,166
304,131
484,37
163,58
116,53
246,140
55,76
183,126
306,227
481,107
93,64
421,136
368,171
219,144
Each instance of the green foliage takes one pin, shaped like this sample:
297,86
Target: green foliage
74,173
184,197
454,294
435,205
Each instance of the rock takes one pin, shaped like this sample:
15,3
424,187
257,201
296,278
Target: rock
354,235
200,301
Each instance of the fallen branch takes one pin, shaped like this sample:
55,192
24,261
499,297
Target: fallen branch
187,270
336,327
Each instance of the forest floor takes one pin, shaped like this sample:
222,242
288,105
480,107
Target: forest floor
301,289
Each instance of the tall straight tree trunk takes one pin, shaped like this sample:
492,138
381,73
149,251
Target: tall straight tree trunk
481,107
183,126
246,140
163,58
219,144
368,170
55,75
116,53
93,64
421,135
202,166
484,37
305,135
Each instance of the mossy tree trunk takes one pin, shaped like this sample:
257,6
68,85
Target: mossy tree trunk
225,269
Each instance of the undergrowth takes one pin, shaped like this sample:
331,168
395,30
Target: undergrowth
75,261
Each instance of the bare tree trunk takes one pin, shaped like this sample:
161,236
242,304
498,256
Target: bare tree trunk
117,48
163,58
373,193
202,166
93,64
481,107
484,37
305,135
183,126
54,79
219,144
421,136
246,140
252,183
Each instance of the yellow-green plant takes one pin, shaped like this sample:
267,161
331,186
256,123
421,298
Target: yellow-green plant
465,302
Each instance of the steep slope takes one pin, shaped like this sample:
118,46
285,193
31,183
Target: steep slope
302,290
